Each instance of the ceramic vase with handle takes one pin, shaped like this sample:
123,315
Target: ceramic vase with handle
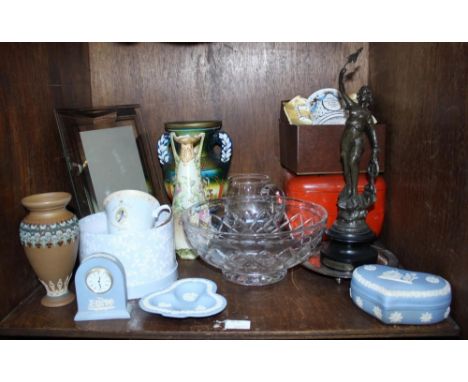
49,235
214,165
188,186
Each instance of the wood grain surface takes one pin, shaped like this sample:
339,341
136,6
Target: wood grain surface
303,305
241,84
421,93
34,78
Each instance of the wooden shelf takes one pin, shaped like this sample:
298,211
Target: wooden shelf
304,305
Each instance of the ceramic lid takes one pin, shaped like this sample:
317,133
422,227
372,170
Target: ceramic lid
392,282
192,125
327,183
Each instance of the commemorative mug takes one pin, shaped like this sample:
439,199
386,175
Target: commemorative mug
132,211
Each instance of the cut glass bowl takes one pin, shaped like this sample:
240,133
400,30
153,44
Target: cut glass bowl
254,240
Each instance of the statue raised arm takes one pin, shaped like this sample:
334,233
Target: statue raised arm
347,100
351,59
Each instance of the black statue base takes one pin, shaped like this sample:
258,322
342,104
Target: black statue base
348,248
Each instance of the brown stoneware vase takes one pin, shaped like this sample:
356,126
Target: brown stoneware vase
49,235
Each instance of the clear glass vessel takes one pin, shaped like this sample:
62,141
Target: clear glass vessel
252,185
254,246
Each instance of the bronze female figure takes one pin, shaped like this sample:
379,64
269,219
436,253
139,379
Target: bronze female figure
350,236
358,123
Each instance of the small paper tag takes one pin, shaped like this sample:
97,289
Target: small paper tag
237,324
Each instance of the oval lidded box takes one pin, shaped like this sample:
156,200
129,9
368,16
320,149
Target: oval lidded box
148,256
399,296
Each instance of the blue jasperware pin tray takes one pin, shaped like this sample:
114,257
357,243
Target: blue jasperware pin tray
192,297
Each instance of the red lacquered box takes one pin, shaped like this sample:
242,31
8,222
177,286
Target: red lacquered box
324,190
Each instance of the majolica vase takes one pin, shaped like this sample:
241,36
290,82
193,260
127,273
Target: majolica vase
214,165
188,186
49,235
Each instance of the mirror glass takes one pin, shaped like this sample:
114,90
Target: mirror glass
113,161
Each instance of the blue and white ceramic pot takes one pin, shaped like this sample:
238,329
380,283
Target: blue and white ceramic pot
49,235
214,165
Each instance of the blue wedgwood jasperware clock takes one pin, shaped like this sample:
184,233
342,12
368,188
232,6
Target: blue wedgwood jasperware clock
101,289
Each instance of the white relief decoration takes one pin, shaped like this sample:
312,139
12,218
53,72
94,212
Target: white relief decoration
226,150
377,312
147,256
396,317
101,304
443,291
426,317
57,290
49,235
163,149
432,279
370,267
359,301
447,312
397,276
200,308
190,296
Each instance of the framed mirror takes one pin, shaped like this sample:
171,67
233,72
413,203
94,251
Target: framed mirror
106,150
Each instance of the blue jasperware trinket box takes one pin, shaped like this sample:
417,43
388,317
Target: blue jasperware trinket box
399,296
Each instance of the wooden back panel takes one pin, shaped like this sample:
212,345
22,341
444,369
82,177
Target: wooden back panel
241,84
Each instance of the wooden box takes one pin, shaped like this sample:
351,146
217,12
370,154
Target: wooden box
315,149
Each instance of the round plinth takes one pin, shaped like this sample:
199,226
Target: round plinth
54,302
314,263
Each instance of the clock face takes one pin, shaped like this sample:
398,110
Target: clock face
99,280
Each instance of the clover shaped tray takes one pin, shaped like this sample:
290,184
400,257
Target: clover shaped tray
191,297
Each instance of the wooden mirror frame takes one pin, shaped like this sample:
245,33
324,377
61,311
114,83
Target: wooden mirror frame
71,122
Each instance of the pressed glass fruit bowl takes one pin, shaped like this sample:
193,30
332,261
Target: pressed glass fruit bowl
254,240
